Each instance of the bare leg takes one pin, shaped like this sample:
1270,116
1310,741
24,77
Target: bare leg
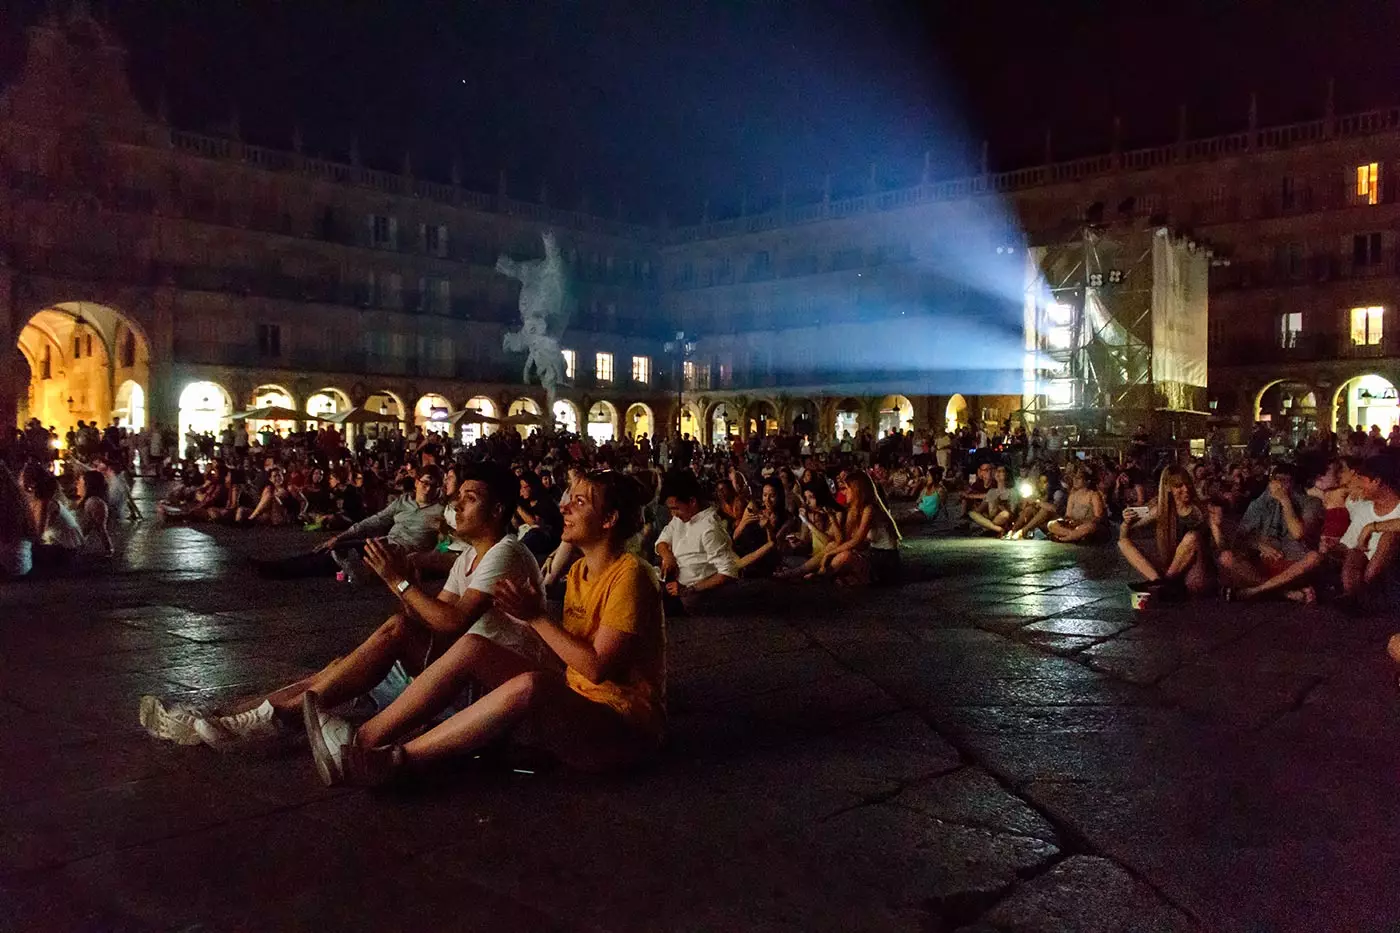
1284,579
1240,568
398,639
1041,519
471,658
1353,572
1137,560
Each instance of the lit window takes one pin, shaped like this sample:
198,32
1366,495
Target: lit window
1289,327
688,373
641,369
570,358
1368,183
602,367
1366,326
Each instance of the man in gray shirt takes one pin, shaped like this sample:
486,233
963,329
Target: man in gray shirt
411,524
1276,541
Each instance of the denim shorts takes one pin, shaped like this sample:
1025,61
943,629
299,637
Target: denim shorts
396,682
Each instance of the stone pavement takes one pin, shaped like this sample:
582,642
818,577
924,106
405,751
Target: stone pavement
998,745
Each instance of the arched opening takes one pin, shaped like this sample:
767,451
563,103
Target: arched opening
205,408
847,418
955,415
762,418
482,406
430,413
524,415
79,353
724,423
1289,408
690,422
388,404
272,396
602,422
1367,401
803,415
130,409
640,421
896,414
329,401
566,416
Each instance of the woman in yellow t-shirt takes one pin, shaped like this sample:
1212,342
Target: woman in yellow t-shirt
606,710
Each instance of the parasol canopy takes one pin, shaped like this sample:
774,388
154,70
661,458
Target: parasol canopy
269,413
359,415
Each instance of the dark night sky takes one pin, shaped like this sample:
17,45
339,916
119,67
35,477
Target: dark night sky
666,103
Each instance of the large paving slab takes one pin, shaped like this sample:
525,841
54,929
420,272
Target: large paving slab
1000,744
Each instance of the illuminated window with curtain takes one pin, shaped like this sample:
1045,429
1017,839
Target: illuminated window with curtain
570,358
641,369
603,367
1367,326
1290,326
1368,183
688,373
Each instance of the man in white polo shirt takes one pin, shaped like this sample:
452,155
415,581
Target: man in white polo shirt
696,553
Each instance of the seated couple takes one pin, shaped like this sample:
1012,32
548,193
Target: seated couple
590,688
410,523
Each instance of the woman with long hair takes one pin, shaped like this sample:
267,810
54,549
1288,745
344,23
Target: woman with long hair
820,527
759,546
1188,536
602,707
58,536
869,549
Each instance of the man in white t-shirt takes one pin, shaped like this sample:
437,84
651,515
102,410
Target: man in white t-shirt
399,650
1373,537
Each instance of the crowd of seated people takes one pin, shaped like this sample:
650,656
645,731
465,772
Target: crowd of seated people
625,535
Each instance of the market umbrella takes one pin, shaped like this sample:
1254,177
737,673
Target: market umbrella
359,415
470,416
269,413
525,418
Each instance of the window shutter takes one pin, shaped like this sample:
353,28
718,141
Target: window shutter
369,225
442,240
393,232
423,237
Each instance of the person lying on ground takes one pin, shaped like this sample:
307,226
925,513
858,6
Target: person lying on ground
412,638
410,522
694,550
600,706
1187,537
1275,544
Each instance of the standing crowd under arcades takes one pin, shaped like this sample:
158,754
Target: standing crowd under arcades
706,526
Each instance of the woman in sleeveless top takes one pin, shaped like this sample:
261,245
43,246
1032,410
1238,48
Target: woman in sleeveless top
59,536
1188,537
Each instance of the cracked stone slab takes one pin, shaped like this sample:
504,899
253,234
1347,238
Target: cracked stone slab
972,797
1084,894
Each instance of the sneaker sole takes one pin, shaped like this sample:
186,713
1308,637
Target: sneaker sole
320,754
160,723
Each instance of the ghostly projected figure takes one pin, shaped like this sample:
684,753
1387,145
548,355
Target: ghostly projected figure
544,313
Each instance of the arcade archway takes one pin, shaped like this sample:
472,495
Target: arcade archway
690,422
388,404
430,413
326,402
896,414
566,416
724,423
639,421
81,356
205,408
762,418
482,406
1289,407
1367,401
270,396
602,422
802,415
522,412
955,415
847,418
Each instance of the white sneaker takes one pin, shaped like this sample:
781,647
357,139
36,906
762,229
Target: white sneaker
328,737
250,725
170,723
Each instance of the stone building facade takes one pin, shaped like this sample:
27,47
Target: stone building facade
151,274
160,276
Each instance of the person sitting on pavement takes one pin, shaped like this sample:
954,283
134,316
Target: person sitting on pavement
59,537
410,522
868,551
537,517
1187,538
437,563
600,706
930,497
1276,542
763,539
694,549
276,505
412,638
94,515
1085,519
998,506
1370,568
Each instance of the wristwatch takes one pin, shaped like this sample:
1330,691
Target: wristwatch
402,586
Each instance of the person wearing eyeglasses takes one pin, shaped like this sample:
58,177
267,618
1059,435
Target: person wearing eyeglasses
1276,541
410,523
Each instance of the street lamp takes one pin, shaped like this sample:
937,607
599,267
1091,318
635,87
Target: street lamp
681,349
